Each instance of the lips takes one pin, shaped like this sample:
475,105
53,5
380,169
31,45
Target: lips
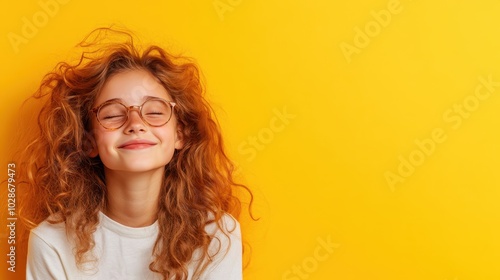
137,144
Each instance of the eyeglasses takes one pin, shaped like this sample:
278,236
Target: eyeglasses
113,114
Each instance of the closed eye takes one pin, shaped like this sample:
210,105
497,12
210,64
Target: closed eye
113,116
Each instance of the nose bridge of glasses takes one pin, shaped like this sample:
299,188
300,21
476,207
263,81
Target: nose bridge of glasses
136,108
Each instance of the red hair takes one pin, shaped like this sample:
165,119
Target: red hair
64,182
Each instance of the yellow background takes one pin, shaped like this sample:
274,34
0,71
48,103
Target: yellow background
320,175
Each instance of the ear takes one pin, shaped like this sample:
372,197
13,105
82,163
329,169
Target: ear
90,145
94,152
179,138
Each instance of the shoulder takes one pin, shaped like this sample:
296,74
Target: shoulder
227,225
226,236
50,238
225,249
50,233
49,252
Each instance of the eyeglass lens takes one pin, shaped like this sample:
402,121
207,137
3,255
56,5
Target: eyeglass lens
154,112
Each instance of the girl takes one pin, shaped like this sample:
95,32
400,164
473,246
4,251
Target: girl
128,178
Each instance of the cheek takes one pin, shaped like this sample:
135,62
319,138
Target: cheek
103,140
167,133
167,139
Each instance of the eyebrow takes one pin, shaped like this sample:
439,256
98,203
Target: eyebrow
144,99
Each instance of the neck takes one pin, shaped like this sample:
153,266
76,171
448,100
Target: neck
132,198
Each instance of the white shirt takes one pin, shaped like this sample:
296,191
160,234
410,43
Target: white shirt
125,253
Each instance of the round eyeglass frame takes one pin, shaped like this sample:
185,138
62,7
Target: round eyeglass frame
133,107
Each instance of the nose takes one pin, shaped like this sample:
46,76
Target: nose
134,124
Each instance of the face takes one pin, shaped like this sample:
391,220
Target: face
136,146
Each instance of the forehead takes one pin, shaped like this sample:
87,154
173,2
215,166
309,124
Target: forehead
133,87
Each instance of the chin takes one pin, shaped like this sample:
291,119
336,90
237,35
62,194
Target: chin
136,168
144,168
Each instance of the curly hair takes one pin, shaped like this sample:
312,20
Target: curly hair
68,185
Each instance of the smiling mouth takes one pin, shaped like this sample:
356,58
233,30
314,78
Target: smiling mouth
137,144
